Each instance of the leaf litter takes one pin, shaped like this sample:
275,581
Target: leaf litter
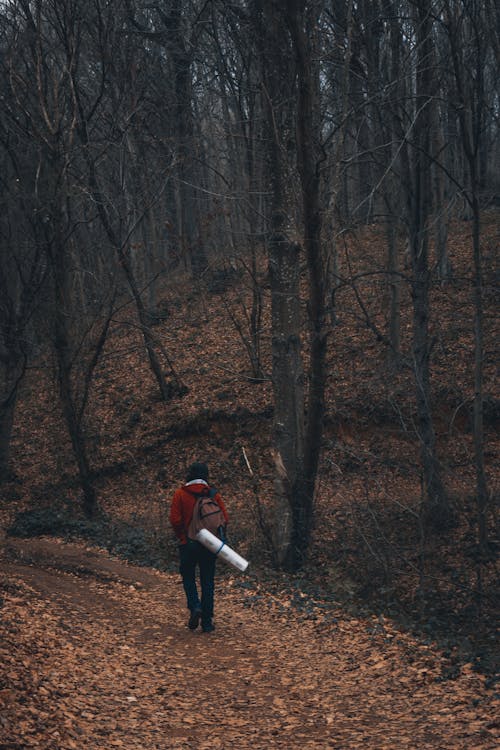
107,661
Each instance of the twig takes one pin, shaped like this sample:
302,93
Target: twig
247,461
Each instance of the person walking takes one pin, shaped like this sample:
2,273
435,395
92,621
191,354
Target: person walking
192,554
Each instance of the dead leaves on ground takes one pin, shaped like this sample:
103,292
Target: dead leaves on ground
93,664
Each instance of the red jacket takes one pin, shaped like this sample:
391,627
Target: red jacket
183,502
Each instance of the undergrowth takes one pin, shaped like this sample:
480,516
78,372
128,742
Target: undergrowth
130,542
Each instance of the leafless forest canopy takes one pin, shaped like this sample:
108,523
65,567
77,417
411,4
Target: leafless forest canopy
143,142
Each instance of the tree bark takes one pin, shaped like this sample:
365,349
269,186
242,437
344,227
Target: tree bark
57,253
471,111
7,409
297,438
437,508
288,389
188,215
393,268
288,380
303,33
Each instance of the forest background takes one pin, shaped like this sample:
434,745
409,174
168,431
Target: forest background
262,234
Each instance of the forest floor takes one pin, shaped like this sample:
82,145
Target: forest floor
96,654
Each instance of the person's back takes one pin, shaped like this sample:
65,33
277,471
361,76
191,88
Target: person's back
192,554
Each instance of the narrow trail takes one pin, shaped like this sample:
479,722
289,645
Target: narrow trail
97,656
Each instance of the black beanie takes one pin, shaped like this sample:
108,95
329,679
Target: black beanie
197,471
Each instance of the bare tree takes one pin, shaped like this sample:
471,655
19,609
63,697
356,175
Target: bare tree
470,41
177,31
238,76
302,18
419,211
284,267
288,61
42,48
22,275
120,196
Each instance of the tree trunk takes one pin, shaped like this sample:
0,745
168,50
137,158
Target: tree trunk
478,421
471,112
187,204
308,152
7,410
437,509
13,362
297,443
284,266
57,253
288,389
154,362
395,295
442,208
391,127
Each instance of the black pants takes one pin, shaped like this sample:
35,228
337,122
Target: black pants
193,555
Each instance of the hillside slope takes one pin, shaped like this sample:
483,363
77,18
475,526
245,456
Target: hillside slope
368,545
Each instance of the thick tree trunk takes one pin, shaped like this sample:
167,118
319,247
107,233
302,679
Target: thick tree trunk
284,266
437,509
288,388
297,442
308,151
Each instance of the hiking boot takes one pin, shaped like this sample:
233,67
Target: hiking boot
194,620
208,627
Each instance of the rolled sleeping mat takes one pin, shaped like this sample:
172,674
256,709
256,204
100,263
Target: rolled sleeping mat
221,549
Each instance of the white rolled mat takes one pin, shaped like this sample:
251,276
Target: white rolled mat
221,549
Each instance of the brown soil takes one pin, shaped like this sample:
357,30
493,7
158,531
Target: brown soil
96,654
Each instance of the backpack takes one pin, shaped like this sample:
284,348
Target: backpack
207,514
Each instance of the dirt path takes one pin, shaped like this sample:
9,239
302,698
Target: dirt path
97,656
